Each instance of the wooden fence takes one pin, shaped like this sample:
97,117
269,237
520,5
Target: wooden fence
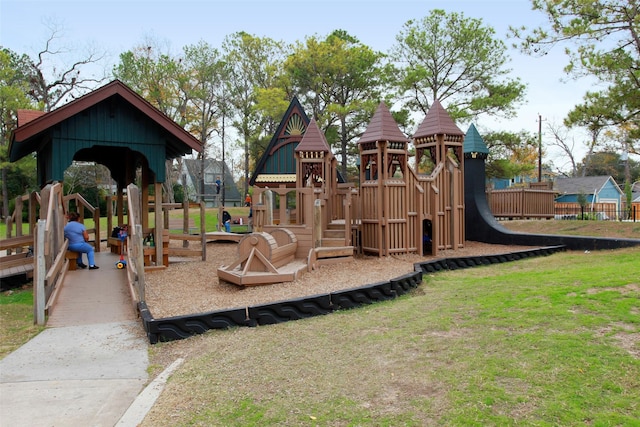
521,203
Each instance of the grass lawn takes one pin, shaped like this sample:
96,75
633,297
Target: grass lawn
548,341
16,319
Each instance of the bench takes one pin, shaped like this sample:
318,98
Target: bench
178,224
278,247
115,244
286,250
73,259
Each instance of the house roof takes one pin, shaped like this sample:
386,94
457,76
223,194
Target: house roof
382,127
473,142
313,140
583,185
437,122
193,167
28,136
25,116
290,131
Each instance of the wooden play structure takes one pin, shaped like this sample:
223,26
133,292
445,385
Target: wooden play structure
397,209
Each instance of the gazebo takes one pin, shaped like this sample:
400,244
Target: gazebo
112,126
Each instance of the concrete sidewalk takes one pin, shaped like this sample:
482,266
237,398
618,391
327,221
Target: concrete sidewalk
88,366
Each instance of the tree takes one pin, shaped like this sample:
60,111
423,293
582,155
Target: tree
610,163
458,60
44,82
254,63
342,80
593,117
205,88
19,177
601,39
161,79
54,79
511,154
566,144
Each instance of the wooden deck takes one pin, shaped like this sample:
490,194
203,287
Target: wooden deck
94,296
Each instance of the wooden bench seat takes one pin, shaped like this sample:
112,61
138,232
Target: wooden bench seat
73,259
178,224
115,244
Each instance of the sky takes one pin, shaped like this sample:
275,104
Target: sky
118,26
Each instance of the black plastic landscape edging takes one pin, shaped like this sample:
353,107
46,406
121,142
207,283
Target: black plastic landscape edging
181,327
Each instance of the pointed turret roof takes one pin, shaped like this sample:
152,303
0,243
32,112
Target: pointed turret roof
382,127
437,122
313,139
473,142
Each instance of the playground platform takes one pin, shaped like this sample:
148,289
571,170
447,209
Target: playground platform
223,236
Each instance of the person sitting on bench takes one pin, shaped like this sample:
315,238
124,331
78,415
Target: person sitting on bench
78,237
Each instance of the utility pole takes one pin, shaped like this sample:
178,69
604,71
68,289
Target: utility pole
539,148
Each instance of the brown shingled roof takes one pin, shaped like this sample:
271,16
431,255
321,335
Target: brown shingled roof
25,116
313,139
437,122
382,127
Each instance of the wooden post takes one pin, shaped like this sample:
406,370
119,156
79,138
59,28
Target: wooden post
158,222
317,223
268,202
203,236
120,205
39,274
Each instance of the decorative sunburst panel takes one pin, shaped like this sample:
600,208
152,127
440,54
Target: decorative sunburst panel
295,126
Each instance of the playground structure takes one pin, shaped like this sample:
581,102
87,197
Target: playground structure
391,212
311,218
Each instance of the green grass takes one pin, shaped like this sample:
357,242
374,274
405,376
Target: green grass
211,221
16,320
546,341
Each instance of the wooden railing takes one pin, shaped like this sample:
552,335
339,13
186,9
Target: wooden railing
50,247
17,247
135,249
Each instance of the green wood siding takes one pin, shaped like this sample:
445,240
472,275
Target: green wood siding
108,124
282,161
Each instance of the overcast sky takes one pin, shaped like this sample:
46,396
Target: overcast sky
118,26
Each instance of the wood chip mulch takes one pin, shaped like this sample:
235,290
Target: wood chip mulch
191,286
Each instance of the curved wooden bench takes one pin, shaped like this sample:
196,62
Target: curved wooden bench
263,259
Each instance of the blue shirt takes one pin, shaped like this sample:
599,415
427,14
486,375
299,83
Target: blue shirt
74,232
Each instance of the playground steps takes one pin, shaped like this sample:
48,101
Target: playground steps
332,241
330,255
333,248
334,233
